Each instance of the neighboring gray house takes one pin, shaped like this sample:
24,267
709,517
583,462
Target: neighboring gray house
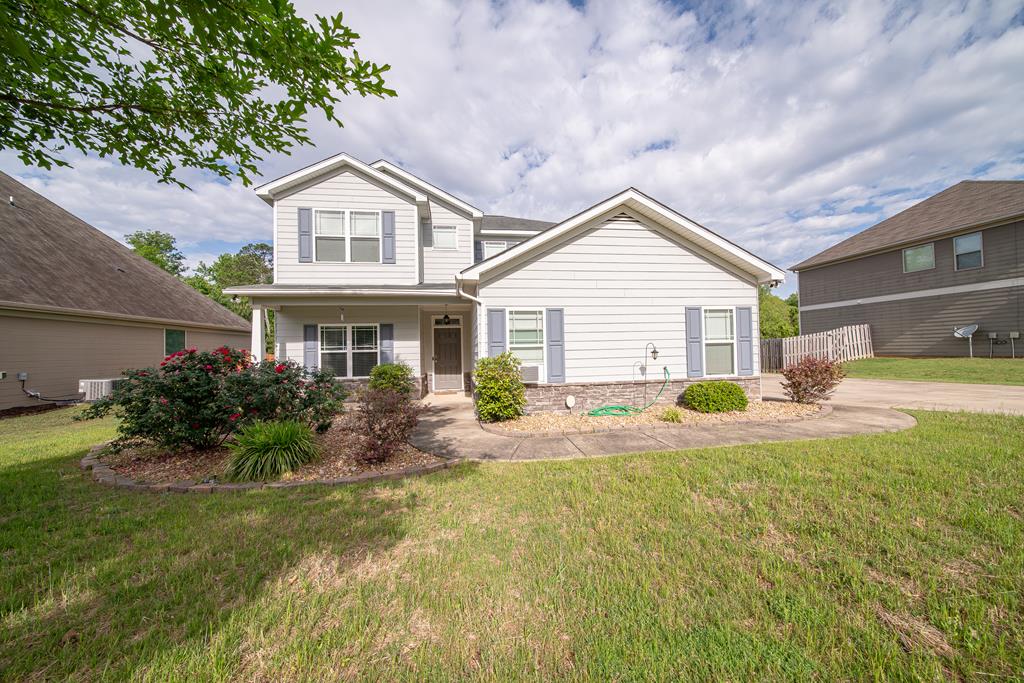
373,264
955,259
75,304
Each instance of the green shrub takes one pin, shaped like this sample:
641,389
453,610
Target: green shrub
671,415
393,376
716,396
500,394
196,399
266,450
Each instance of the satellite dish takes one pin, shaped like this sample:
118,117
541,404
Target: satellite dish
967,332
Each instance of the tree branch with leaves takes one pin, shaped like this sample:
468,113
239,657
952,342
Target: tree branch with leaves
165,86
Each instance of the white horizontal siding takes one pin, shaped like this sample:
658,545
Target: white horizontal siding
441,265
622,284
290,320
345,190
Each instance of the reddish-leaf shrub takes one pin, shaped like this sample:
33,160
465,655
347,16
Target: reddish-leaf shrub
384,420
196,399
812,379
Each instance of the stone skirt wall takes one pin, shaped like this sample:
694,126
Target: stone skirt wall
546,398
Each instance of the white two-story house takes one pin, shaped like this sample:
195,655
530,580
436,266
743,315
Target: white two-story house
373,264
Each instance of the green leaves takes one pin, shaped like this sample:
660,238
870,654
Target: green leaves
500,394
266,450
166,86
159,248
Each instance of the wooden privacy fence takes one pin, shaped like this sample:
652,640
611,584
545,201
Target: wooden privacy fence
841,344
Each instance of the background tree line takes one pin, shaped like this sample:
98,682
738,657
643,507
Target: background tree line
253,264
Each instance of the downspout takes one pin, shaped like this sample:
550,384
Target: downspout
459,292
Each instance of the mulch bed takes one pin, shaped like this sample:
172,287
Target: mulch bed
338,447
28,410
757,411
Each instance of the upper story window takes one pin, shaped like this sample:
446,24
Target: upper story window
445,237
494,247
919,258
346,236
967,251
719,341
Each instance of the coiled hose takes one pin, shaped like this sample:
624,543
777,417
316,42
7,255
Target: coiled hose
629,410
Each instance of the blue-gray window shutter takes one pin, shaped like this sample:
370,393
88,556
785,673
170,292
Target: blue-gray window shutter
478,251
387,343
556,345
694,343
428,234
309,347
495,331
744,341
387,237
305,235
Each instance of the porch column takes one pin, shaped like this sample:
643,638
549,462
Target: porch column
259,346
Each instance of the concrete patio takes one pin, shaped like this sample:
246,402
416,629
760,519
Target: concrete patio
449,428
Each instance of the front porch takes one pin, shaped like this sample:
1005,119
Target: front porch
349,337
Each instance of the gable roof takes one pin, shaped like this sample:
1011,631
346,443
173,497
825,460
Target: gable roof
53,261
656,211
509,224
332,164
968,204
415,181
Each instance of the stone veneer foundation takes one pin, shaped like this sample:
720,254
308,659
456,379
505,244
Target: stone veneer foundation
548,398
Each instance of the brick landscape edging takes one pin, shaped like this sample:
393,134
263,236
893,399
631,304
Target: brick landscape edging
102,473
824,411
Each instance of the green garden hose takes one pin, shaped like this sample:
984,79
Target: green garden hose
629,410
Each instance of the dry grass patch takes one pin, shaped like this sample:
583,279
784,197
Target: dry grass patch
916,635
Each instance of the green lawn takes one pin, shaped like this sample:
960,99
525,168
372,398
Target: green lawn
895,556
968,370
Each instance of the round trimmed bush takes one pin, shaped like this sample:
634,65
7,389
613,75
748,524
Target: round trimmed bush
716,396
392,376
500,394
266,450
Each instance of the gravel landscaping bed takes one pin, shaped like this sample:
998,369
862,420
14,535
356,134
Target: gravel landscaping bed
757,411
149,465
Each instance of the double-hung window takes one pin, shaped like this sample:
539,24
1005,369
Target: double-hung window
967,251
526,337
719,341
329,231
347,236
445,237
349,350
493,247
917,258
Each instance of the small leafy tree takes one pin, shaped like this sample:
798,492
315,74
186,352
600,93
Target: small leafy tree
159,248
500,394
812,380
773,315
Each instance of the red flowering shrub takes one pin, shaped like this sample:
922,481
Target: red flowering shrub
197,399
812,379
384,420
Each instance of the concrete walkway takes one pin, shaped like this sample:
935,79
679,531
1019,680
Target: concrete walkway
978,398
449,428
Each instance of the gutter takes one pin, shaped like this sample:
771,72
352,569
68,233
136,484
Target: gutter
44,310
459,292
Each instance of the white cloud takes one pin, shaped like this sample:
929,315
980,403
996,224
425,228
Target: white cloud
785,127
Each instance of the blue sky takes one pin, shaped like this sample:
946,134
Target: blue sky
784,126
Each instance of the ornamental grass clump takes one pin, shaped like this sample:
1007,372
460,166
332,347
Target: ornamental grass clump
812,380
500,394
262,451
197,399
717,396
671,414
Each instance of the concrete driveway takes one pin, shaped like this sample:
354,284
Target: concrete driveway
883,393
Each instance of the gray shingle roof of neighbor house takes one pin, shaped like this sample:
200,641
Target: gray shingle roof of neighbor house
51,260
490,222
968,204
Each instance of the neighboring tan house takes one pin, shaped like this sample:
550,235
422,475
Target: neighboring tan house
373,264
955,259
75,304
